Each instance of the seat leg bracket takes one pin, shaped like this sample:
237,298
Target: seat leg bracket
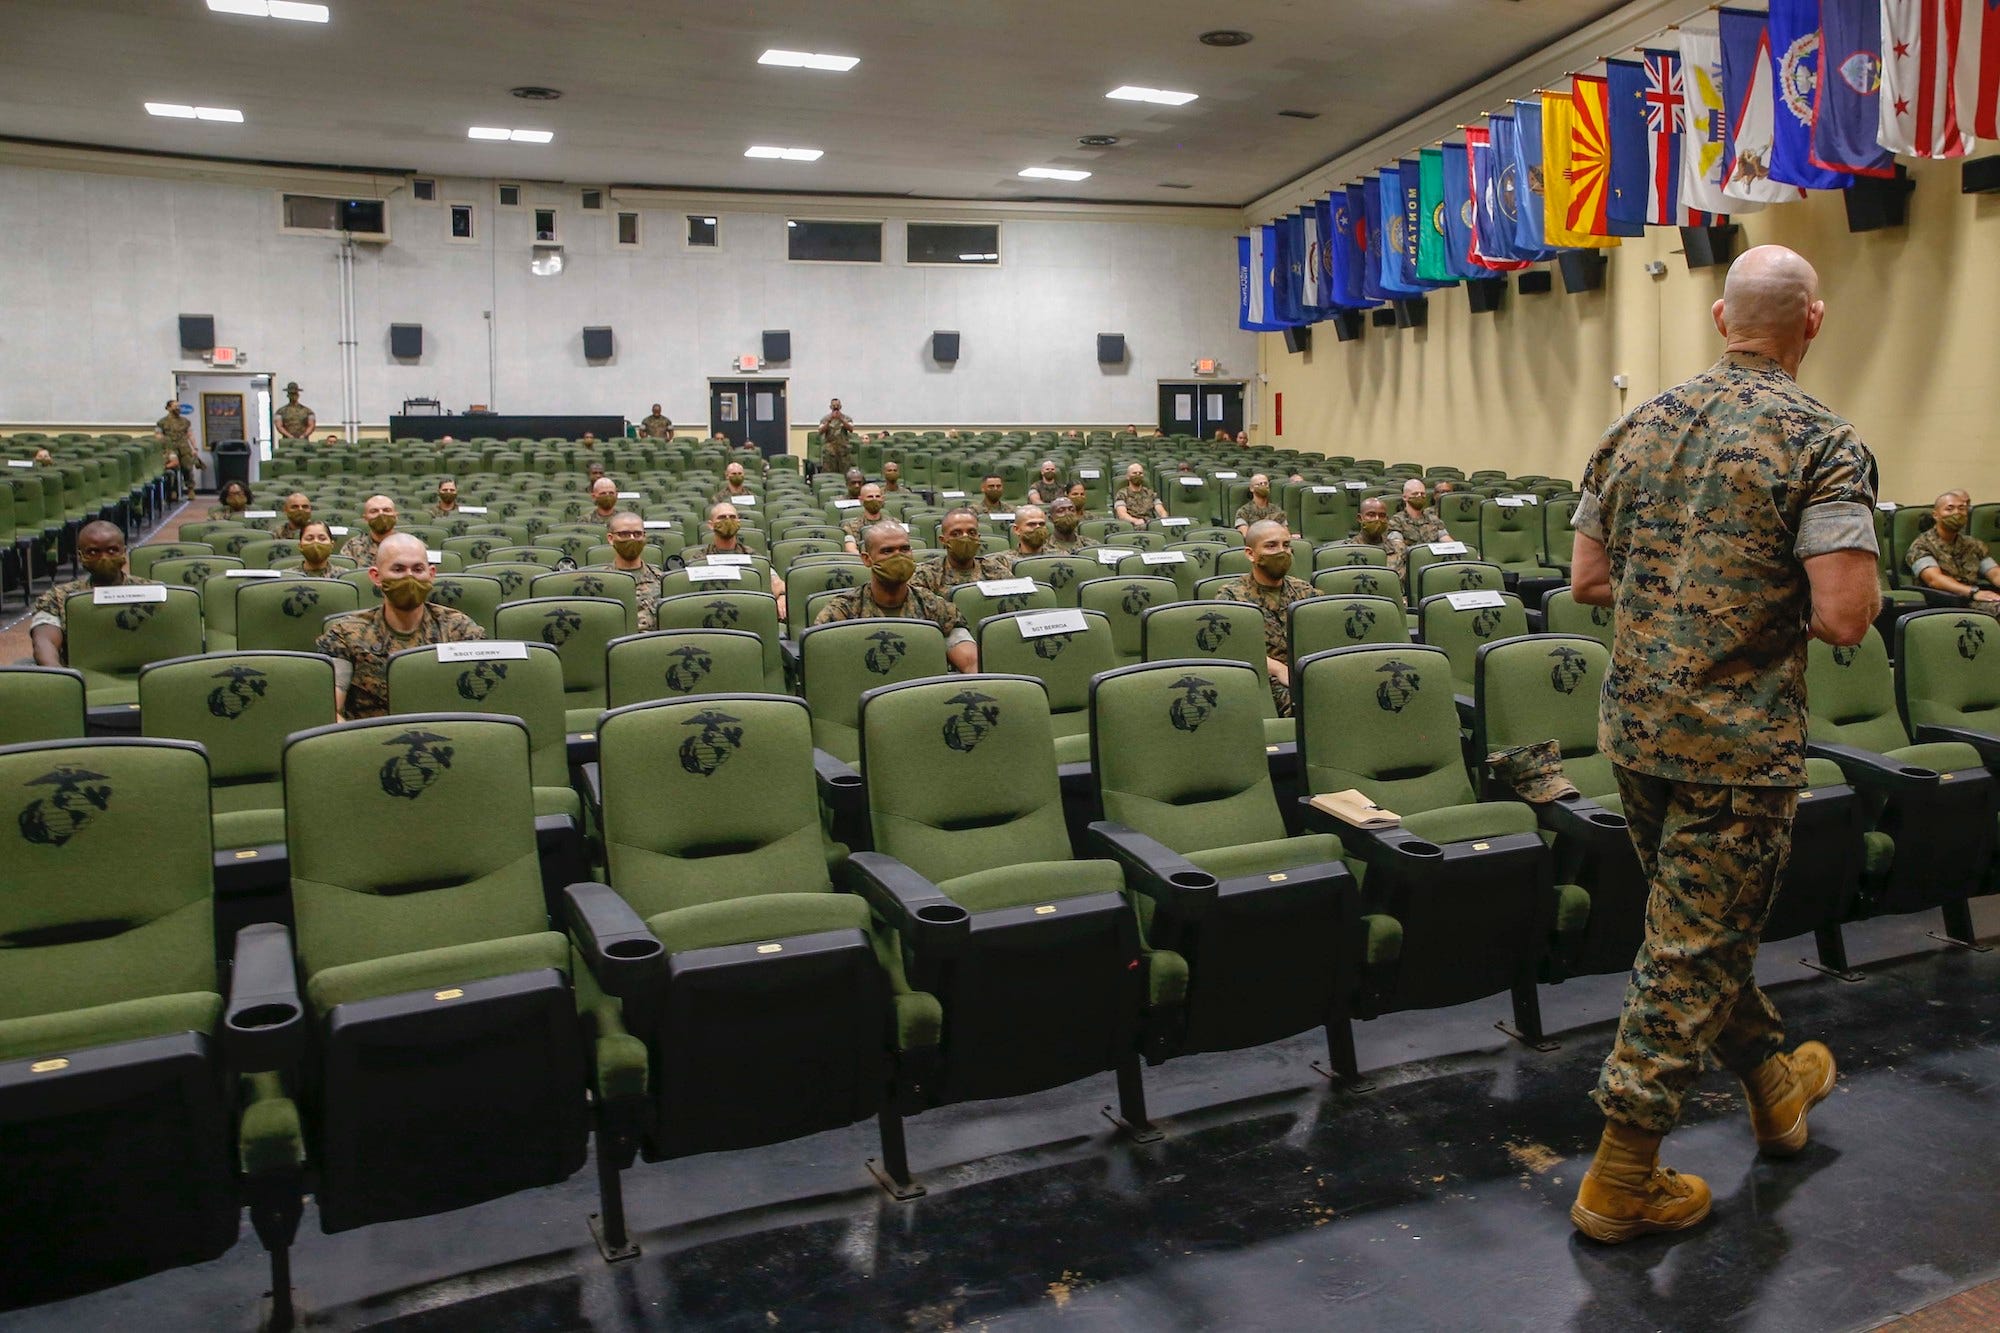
1533,1043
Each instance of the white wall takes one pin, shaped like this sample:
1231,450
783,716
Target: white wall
102,265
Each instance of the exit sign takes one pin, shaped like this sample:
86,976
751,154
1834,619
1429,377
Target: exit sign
222,356
1205,366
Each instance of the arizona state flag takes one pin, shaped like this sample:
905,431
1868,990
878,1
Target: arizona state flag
1576,166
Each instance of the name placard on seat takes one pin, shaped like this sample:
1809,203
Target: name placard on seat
1447,548
743,499
1176,522
470,509
253,573
715,573
1111,555
1324,490
1355,485
1089,473
339,532
730,558
847,504
260,513
631,495
435,557
128,594
1225,476
655,524
484,650
1040,624
1162,558
951,495
20,462
1473,601
1188,481
1005,587
1005,516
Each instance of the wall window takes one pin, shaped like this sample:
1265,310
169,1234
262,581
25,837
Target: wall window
812,241
628,229
424,190
704,233
593,200
320,215
545,226
462,228
510,196
973,244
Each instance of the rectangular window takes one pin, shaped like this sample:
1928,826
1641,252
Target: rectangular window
819,242
703,233
424,190
593,200
545,226
970,243
461,224
628,229
510,196
320,215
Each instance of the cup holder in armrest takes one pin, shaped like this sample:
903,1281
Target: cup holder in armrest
627,950
1912,771
1418,847
1192,880
942,914
1606,818
263,1017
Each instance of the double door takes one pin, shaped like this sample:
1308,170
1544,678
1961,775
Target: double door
749,412
1201,407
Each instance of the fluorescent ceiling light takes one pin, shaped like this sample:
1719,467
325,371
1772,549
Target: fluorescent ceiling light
1159,96
786,154
532,136
1054,174
809,60
173,109
974,259
272,9
218,113
485,132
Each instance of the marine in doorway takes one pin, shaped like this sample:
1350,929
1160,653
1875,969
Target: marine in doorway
175,430
295,419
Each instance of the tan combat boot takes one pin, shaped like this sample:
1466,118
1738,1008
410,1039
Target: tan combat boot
1780,1092
1627,1193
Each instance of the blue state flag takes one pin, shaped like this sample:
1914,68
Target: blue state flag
1529,237
1794,79
1253,284
1284,297
1345,249
1364,210
1499,226
1321,214
1386,244
1458,215
1847,106
1631,159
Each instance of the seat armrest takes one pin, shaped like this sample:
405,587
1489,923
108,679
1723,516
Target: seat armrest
1467,710
930,923
264,1026
1985,742
1874,772
590,786
1180,887
844,796
624,956
1581,818
1938,596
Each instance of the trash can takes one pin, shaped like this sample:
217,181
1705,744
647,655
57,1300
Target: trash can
232,463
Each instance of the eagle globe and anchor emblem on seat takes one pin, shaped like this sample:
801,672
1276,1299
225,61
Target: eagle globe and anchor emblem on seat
978,714
1394,694
424,759
241,687
706,751
480,680
52,819
1971,638
1566,667
886,648
1195,704
1213,628
298,601
1360,619
687,666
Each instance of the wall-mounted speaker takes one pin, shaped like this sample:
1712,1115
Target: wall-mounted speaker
1981,176
1384,318
1347,324
1706,247
1299,338
1110,349
1411,314
777,344
406,341
597,343
1535,282
1875,202
198,333
1485,294
944,346
1582,270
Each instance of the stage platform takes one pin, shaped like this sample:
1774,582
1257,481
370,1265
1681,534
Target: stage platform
505,427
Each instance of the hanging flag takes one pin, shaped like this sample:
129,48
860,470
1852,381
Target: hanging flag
1918,112
1752,115
1433,250
1575,169
1364,212
1482,190
1511,198
1976,80
1387,242
1416,221
1460,215
1289,268
1253,284
1322,218
1634,161
1705,127
1530,205
1794,55
1310,298
1847,92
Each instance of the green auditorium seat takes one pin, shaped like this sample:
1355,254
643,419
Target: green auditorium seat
1444,576
1269,924
805,581
288,614
1339,555
40,704
1935,798
1318,624
678,663
193,571
1461,622
1459,510
1065,661
476,595
1563,614
620,587
141,559
1122,599
751,577
109,641
578,628
841,661
115,1107
975,603
446,1065
1460,892
514,575
755,612
1229,631
740,999
1364,580
1050,980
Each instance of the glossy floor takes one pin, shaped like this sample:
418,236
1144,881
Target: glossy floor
1436,1201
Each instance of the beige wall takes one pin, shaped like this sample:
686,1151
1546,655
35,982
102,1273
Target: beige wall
1910,352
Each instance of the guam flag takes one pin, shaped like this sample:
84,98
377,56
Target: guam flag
1794,83
1847,102
1487,220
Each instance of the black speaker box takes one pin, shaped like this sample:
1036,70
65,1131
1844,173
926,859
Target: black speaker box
406,340
1383,318
777,344
1535,282
1347,325
944,346
597,343
198,333
1706,247
1110,349
1980,177
1299,338
1875,202
1485,294
1582,270
1412,313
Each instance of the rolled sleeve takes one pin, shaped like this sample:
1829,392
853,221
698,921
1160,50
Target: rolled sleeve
1988,565
41,618
1838,525
1588,517
1922,563
958,636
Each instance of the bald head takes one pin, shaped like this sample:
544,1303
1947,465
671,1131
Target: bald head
1770,304
1263,531
400,548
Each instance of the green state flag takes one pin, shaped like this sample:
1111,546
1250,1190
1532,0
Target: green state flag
1433,261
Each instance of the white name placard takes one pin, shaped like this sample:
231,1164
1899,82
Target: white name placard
1324,490
1225,476
1355,485
20,462
1509,501
1473,601
1002,517
254,573
435,557
126,594
260,513
1089,473
630,495
1162,558
730,558
1188,481
1111,555
470,509
1040,624
1005,587
951,495
715,573
1176,522
339,531
847,504
1447,548
741,499
485,650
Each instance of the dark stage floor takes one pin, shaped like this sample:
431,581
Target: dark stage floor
1437,1201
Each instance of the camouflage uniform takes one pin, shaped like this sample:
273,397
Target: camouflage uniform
699,555
1417,530
49,609
836,442
365,642
224,514
1964,559
940,576
442,510
1253,512
1047,493
1708,500
921,604
602,517
732,496
993,508
1276,604
295,421
1391,542
283,528
1138,503
647,576
179,435
656,427
1070,545
361,545
853,526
